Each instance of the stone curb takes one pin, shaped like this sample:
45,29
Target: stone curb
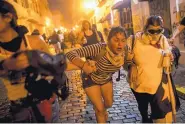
180,91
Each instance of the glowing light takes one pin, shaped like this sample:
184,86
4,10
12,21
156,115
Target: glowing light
112,17
135,1
56,29
177,5
90,4
47,22
76,26
62,28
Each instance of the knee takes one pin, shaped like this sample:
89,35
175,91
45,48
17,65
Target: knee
108,103
100,110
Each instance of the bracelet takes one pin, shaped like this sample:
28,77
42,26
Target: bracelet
83,65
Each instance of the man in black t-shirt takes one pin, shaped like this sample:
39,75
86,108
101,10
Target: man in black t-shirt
179,29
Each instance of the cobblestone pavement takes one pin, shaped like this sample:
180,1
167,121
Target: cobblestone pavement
179,79
77,108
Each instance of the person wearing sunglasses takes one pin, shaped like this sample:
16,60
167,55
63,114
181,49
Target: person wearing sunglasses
145,52
97,75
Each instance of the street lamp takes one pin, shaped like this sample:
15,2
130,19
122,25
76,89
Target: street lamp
90,4
47,22
135,1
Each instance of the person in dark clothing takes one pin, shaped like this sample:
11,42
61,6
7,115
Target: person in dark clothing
35,32
98,33
176,54
55,41
167,32
72,38
87,36
106,32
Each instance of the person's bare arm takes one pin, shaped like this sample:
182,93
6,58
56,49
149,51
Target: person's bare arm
178,31
71,66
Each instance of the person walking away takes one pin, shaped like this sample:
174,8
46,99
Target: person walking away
54,39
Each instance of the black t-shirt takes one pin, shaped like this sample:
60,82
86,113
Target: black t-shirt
183,21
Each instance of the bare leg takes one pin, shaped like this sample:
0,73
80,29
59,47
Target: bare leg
107,92
94,94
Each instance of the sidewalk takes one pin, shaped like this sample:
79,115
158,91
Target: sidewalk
179,80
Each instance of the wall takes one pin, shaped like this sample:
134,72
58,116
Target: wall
140,12
161,8
32,13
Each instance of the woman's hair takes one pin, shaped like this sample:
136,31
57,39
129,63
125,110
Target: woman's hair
115,30
35,32
6,7
153,20
83,23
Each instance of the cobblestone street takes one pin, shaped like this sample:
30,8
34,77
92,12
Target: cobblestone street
77,108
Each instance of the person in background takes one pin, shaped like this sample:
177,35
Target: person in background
176,54
98,33
37,33
97,77
72,38
106,32
60,35
87,36
55,41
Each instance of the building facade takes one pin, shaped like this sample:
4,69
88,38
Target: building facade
58,19
132,15
34,14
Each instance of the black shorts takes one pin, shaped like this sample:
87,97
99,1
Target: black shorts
159,106
87,81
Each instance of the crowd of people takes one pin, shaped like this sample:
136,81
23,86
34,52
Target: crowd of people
29,61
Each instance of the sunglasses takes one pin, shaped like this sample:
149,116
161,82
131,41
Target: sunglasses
151,31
